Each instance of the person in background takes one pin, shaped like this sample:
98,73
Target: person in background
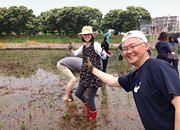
121,52
107,36
175,47
162,47
105,46
89,81
69,67
155,84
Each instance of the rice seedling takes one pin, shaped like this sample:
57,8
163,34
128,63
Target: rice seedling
6,102
0,125
129,98
22,126
42,127
118,99
88,128
67,115
50,116
30,115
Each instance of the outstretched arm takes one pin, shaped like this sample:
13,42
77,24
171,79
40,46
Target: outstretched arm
106,78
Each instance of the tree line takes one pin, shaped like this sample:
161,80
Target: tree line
70,20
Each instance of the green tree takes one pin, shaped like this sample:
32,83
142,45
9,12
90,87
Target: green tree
113,20
51,20
3,20
72,19
18,17
32,26
134,16
43,22
123,21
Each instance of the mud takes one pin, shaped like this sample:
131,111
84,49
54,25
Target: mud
35,101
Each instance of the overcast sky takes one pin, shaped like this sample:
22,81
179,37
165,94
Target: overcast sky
157,8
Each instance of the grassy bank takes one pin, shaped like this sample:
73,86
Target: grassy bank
49,38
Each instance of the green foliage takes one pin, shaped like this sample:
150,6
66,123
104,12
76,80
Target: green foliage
70,20
18,17
123,21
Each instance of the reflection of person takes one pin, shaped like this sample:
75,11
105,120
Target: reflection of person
175,47
93,50
106,48
69,67
163,47
155,84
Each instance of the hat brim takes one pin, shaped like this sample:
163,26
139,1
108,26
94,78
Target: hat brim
80,34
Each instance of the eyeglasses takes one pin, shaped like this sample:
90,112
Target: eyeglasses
131,47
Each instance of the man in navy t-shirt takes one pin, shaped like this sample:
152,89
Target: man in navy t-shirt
155,84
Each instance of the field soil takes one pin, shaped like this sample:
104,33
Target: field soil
46,45
35,102
51,45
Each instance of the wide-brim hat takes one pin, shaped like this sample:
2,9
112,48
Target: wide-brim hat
87,30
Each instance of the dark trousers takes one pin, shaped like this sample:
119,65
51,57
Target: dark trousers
105,62
174,62
162,57
89,98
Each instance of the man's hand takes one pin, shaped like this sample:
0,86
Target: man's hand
87,67
70,46
102,51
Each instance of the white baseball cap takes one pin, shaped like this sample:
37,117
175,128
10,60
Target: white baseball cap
136,34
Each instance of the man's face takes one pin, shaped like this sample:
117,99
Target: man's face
135,52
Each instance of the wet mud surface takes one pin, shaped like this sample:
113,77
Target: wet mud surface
37,101
32,97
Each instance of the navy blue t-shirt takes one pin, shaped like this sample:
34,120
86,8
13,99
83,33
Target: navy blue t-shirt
153,85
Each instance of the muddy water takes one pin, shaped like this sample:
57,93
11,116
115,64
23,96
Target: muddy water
36,103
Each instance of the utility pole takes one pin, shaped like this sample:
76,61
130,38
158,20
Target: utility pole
167,23
151,36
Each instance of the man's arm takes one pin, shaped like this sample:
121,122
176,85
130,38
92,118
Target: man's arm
106,78
176,103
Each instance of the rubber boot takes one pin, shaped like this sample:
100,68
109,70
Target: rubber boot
92,115
87,106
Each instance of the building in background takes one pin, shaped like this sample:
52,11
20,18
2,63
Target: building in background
167,24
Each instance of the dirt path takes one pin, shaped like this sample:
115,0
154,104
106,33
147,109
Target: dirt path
45,45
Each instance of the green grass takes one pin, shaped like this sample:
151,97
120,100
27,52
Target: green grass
49,38
56,38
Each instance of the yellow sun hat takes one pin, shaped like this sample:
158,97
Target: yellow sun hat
87,30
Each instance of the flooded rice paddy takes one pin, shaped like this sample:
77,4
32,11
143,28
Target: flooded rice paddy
32,90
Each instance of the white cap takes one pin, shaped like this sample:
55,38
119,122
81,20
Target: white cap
136,34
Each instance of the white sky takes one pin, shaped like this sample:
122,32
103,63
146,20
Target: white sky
157,8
